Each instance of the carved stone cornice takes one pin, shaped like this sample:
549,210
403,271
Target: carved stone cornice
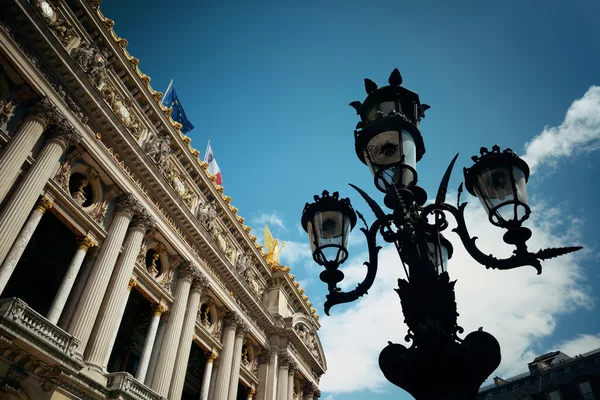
65,133
129,204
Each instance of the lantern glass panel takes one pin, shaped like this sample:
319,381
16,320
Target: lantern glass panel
388,154
502,191
328,233
438,254
385,107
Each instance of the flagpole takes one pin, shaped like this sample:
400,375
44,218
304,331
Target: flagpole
166,91
207,146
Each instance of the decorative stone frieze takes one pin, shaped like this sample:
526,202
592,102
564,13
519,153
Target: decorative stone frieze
45,109
65,133
93,61
121,108
61,29
159,150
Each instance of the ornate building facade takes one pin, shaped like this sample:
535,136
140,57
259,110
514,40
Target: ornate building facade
125,272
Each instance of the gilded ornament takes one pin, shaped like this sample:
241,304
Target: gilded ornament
95,4
122,42
211,356
233,209
109,24
132,283
146,79
44,204
240,219
158,309
220,189
85,243
168,111
196,153
247,229
273,248
204,165
300,290
157,96
227,199
134,61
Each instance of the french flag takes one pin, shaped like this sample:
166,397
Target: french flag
213,167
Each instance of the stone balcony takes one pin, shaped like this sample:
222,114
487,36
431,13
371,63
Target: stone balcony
124,386
26,329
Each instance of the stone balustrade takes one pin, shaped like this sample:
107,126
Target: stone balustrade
22,322
124,386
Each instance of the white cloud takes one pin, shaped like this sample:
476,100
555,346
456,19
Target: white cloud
519,307
271,219
294,252
579,345
578,133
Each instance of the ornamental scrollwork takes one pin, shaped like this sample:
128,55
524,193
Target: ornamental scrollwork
93,61
177,182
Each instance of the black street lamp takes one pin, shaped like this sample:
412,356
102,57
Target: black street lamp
438,364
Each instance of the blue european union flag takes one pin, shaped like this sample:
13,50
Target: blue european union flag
170,99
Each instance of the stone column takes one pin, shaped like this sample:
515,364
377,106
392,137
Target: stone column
13,257
263,370
19,146
187,332
240,335
250,393
168,349
58,304
24,197
224,374
291,372
210,358
156,350
110,314
91,299
272,376
282,377
157,310
77,290
213,381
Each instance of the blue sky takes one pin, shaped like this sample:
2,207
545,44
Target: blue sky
269,82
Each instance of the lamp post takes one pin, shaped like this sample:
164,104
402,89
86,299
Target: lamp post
438,364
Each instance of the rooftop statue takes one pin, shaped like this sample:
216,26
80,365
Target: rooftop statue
273,248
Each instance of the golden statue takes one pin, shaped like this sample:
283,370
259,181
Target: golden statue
273,248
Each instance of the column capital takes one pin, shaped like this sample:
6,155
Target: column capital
200,282
251,391
158,309
44,203
128,203
284,361
187,270
232,319
142,220
264,357
211,356
132,283
45,110
292,367
84,243
242,329
310,388
64,133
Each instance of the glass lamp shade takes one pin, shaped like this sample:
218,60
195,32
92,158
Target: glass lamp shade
499,182
391,157
328,222
439,251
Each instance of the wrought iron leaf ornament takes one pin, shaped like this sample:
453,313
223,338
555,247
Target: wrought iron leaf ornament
443,189
357,106
370,86
372,203
395,78
552,252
